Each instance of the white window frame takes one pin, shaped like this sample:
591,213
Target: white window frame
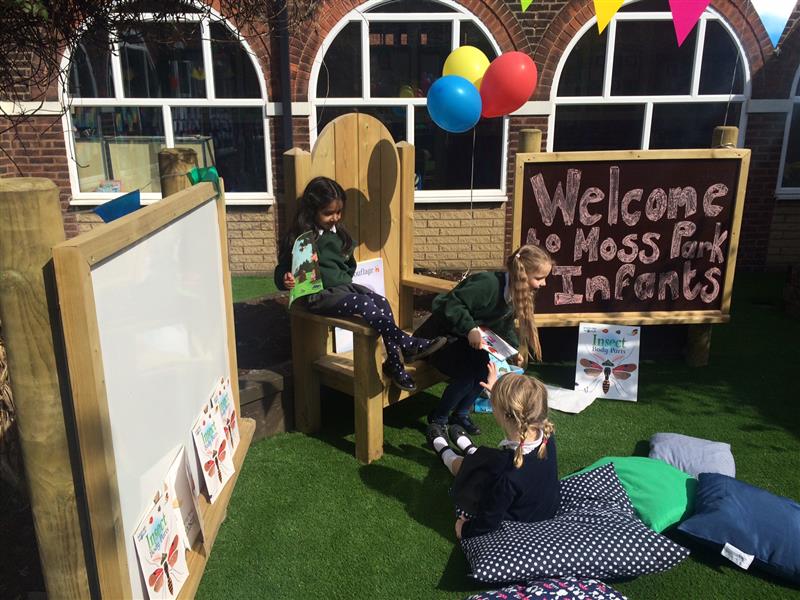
80,198
360,15
789,193
694,96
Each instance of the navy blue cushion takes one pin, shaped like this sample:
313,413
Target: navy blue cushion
750,519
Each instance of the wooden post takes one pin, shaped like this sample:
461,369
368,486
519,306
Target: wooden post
406,153
30,225
173,166
698,342
530,140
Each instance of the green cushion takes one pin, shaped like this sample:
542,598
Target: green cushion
661,494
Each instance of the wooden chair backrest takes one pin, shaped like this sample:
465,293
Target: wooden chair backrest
358,152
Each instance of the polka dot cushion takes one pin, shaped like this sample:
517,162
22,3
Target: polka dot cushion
595,534
563,589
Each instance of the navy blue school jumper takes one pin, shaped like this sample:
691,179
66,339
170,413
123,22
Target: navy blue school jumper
480,299
492,490
342,298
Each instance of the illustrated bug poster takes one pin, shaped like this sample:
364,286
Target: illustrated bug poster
213,450
223,398
162,554
607,364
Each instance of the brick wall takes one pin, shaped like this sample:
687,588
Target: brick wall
458,238
784,240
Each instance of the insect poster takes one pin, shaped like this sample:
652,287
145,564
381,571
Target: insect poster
213,450
160,547
222,397
608,361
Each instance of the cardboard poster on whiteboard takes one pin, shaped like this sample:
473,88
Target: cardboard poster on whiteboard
607,364
369,273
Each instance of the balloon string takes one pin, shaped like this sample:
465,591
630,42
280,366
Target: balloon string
471,185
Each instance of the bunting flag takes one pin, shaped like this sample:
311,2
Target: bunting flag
605,11
525,4
774,15
685,14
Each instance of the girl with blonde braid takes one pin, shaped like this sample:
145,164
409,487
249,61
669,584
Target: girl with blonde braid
494,299
517,481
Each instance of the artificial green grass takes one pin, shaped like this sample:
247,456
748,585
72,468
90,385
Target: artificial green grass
247,287
307,520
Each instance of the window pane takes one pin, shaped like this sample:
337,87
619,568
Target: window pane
407,6
647,6
230,138
443,159
90,67
722,71
600,127
340,73
647,60
234,74
471,35
163,60
791,167
393,117
406,54
690,125
116,149
583,72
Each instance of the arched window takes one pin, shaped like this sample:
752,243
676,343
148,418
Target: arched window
381,59
191,82
789,178
632,87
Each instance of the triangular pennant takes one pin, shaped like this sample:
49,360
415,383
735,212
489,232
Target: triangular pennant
685,14
525,4
605,11
774,15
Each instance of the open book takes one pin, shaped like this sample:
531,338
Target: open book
495,345
305,267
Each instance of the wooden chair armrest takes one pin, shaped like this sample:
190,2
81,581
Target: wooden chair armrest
354,324
427,283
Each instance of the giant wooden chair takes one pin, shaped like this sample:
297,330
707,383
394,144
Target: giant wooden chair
378,176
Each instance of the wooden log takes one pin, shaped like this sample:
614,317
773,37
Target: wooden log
30,225
698,342
530,140
173,166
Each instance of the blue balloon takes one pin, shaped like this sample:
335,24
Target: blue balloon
454,104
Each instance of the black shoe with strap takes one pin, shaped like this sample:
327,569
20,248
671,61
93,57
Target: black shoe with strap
422,348
435,430
400,378
456,431
466,422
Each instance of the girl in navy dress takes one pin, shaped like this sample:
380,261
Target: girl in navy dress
517,481
320,210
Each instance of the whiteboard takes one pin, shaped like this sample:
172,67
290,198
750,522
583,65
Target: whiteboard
161,317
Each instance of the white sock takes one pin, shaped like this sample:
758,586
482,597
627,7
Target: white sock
448,458
465,444
439,443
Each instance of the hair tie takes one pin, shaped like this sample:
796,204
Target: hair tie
516,256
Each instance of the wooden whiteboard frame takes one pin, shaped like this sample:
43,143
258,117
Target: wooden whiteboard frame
73,261
646,317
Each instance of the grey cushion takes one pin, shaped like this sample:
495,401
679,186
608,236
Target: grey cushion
693,455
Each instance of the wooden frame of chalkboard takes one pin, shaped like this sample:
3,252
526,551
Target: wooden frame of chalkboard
91,367
638,237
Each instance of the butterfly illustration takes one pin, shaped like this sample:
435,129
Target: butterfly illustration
168,560
212,466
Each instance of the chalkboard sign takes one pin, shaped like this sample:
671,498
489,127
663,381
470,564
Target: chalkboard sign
637,237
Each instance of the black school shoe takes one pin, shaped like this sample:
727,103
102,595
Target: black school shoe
456,431
400,378
433,431
423,348
466,422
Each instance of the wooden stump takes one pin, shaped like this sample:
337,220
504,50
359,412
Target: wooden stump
173,166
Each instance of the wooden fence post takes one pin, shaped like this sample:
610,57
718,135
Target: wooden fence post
530,140
698,342
30,225
173,166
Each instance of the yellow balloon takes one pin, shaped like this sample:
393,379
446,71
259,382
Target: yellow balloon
467,62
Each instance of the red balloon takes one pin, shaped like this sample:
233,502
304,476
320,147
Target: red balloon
507,84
